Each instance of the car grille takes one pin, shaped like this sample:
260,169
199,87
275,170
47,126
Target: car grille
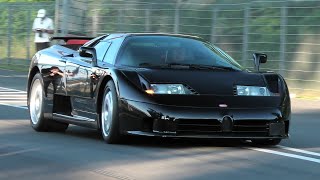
214,127
198,126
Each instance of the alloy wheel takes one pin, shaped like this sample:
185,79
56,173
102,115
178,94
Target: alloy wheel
106,117
36,98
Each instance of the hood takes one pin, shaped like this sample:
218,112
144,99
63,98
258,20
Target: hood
213,88
204,82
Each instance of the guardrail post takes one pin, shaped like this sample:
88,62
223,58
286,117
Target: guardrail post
147,19
9,35
283,30
120,18
213,24
245,39
177,17
29,23
65,10
84,20
57,18
95,20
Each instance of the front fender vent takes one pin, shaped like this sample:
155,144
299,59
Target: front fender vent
191,90
273,82
235,91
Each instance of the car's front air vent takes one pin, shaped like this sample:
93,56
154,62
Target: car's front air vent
273,82
192,90
254,126
235,90
198,126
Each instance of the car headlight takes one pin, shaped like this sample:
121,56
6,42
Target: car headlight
167,89
252,91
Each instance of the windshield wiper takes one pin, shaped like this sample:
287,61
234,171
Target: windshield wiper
190,66
201,66
168,65
153,65
225,68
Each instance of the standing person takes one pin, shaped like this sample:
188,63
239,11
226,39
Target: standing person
42,27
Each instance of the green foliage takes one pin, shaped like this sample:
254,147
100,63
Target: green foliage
16,19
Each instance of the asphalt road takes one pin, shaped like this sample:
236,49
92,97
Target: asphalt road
80,153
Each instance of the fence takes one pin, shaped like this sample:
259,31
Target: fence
16,37
288,31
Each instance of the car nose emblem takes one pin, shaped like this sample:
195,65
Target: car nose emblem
223,105
227,123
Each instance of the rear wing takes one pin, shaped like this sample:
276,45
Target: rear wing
73,42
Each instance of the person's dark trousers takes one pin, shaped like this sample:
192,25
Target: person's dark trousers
40,46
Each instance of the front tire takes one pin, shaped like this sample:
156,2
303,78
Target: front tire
109,115
36,106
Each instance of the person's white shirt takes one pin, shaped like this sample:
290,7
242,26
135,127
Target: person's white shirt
42,23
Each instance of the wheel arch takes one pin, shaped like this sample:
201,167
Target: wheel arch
32,73
101,90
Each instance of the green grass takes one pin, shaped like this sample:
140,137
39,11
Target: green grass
14,67
18,69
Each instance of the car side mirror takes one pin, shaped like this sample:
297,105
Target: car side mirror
259,58
89,52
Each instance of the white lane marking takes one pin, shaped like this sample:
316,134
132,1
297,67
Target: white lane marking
13,101
19,152
13,95
299,150
286,154
13,76
3,88
21,107
11,91
13,98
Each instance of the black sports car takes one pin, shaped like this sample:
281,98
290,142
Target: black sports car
163,85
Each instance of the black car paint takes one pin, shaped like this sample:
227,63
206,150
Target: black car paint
138,111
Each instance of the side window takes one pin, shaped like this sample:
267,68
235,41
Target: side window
101,49
112,51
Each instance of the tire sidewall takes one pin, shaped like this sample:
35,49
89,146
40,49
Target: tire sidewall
113,135
40,125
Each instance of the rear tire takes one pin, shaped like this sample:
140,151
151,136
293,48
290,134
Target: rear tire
109,115
36,107
266,142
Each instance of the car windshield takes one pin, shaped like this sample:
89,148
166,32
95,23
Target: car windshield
159,51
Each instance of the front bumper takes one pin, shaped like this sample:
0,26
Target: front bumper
138,118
